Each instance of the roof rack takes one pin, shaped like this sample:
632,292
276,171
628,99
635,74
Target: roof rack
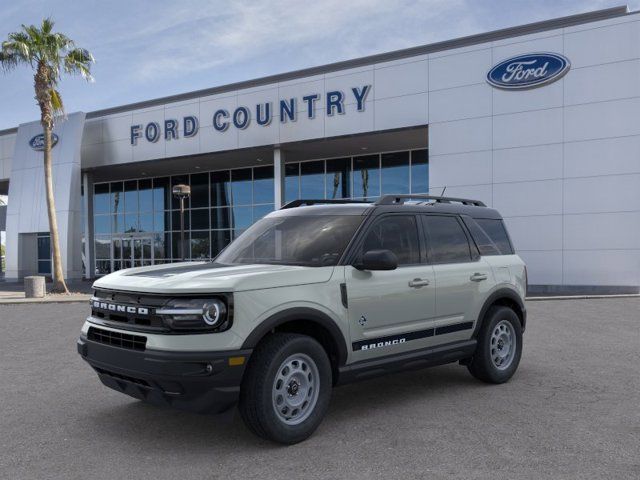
400,199
301,202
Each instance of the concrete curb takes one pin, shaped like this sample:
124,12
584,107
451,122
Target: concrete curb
581,297
56,299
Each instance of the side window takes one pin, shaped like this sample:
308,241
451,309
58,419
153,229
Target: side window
397,233
446,239
494,228
484,243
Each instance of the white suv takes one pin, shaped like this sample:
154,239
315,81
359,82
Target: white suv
316,294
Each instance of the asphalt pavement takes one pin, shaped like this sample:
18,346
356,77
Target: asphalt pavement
572,411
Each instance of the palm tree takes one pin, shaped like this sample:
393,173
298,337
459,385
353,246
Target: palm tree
49,54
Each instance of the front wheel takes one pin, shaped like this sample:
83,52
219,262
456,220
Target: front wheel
499,346
286,390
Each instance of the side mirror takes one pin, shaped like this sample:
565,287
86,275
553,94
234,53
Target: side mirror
378,260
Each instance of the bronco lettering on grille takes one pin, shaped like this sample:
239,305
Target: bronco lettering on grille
112,307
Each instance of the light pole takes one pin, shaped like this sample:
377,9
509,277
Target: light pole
181,192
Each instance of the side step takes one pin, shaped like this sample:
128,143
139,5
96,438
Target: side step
417,359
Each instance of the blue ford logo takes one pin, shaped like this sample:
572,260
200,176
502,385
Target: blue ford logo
528,71
37,142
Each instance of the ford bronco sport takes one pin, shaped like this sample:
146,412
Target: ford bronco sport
314,295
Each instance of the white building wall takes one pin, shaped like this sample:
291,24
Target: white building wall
561,162
7,144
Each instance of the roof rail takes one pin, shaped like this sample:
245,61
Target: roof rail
301,202
400,199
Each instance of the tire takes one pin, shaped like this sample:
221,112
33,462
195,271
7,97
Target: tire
499,346
289,375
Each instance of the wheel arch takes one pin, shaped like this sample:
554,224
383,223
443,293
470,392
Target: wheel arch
503,297
307,321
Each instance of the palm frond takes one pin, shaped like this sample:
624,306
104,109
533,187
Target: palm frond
78,61
56,102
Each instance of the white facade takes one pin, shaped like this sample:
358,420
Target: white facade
561,162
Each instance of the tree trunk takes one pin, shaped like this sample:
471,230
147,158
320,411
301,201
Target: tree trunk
59,285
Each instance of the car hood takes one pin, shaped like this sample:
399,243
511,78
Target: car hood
200,277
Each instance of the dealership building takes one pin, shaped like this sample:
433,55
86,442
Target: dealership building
540,121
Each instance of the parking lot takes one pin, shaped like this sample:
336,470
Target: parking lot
571,411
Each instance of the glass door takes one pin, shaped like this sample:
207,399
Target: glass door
131,251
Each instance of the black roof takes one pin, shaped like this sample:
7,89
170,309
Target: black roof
391,203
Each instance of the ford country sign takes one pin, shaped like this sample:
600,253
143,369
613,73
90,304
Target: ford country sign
37,142
528,71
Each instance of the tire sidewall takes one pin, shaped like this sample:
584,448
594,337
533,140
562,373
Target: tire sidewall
273,424
497,315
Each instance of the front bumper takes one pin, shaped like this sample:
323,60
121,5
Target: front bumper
201,382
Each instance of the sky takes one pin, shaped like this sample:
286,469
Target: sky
147,49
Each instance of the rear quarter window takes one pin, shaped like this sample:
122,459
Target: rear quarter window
497,233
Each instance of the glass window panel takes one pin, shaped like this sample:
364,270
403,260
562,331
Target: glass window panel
161,221
447,241
220,218
291,181
101,224
160,241
116,197
103,247
263,185
175,220
241,186
338,179
496,231
420,171
103,267
117,223
131,196
200,219
101,198
145,195
44,266
131,222
200,190
312,179
219,240
146,222
397,233
175,245
117,249
220,189
200,245
260,211
242,217
395,172
44,247
161,194
178,180
366,177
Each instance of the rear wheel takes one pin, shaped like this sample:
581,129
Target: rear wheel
286,390
499,346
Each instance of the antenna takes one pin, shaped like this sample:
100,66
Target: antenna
443,190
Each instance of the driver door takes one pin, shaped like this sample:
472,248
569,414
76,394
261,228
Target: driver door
391,311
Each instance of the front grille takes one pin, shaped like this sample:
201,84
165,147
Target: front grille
117,339
146,320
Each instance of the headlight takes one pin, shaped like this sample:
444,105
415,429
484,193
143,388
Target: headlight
196,314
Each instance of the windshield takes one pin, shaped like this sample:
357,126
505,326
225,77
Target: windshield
314,241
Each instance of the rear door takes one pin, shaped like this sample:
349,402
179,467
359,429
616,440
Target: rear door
462,277
390,311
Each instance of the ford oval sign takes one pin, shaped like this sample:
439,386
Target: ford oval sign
528,71
37,142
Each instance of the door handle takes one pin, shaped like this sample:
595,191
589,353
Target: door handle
478,277
418,282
